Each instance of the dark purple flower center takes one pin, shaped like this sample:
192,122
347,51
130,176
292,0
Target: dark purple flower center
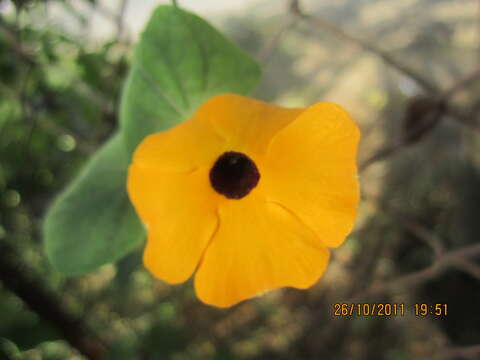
234,175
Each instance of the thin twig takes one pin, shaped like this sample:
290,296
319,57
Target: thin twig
439,110
120,19
271,45
422,232
425,235
461,85
444,262
427,85
470,268
381,154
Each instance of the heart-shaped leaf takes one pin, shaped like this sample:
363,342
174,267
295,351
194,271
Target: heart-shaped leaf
92,222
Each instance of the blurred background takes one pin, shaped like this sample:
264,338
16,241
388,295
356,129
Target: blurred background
408,73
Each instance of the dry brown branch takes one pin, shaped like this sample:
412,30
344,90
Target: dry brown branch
425,235
446,261
461,85
427,85
470,268
120,19
380,154
422,232
443,98
434,116
271,45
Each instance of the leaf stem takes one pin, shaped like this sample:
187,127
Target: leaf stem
174,3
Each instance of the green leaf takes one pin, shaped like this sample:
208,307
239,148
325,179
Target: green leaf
92,222
179,62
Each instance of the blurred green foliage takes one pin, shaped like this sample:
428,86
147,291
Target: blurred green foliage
59,96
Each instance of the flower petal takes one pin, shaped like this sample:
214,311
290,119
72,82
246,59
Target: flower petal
311,170
179,211
183,148
258,246
248,125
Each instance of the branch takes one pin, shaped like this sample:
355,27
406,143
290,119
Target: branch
425,235
461,84
440,106
21,280
427,85
443,263
381,154
270,46
323,24
120,19
470,268
419,230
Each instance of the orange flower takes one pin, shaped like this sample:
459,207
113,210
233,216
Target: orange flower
248,194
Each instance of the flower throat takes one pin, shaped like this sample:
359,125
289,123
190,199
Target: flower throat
234,175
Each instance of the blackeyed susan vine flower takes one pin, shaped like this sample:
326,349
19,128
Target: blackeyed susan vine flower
249,195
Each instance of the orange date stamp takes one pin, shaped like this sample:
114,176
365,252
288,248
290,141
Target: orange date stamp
388,309
366,309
